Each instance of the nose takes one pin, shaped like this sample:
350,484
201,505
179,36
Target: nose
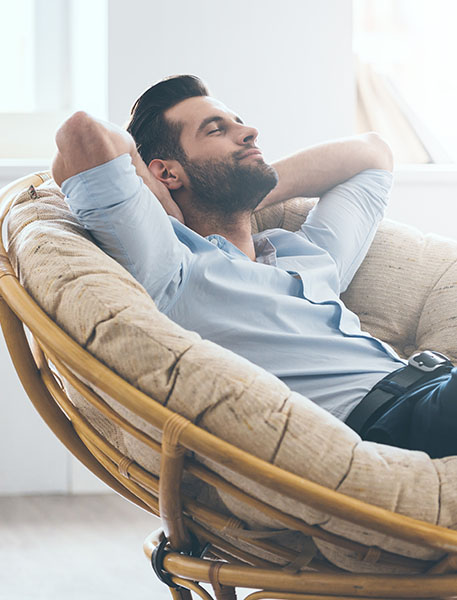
247,135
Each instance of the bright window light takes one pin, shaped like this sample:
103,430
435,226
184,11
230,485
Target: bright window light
407,86
17,64
53,60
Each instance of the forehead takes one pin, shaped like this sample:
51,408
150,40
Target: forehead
192,111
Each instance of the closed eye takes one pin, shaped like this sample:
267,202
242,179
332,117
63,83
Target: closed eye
214,130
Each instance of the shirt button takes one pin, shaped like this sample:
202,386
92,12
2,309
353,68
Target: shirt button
214,241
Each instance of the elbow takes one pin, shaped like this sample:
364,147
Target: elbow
380,152
71,138
73,130
82,143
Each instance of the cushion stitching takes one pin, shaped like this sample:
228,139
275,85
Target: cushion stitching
221,401
284,429
343,479
440,486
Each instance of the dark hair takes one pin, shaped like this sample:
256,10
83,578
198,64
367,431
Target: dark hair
155,136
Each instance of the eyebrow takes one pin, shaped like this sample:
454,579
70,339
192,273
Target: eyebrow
214,119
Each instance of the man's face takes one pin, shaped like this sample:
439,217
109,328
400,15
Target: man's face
225,169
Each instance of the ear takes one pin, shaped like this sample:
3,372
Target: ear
167,172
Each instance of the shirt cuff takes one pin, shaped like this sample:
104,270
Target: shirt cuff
103,185
378,176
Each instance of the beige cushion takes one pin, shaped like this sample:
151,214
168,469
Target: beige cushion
404,293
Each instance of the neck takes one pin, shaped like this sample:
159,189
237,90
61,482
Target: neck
236,230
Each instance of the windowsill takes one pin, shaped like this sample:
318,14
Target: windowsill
14,168
22,163
426,174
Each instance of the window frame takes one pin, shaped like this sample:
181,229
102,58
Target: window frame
76,49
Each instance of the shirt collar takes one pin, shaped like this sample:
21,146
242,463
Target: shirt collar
264,250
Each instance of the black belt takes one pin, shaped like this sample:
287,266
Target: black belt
421,367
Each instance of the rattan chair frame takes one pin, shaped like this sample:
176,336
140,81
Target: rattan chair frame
224,565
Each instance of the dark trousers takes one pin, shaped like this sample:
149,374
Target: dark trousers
423,418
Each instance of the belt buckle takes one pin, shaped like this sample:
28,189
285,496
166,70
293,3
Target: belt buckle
428,360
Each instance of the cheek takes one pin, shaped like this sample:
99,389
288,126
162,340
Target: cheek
211,147
218,148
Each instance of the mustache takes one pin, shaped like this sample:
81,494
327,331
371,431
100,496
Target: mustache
239,154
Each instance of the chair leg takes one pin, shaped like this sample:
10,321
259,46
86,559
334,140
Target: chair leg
224,592
180,594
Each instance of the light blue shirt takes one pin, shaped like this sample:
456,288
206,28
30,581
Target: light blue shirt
282,312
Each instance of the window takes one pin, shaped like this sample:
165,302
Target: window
52,61
16,41
406,53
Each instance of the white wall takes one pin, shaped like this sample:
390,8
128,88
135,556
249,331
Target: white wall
31,458
426,198
284,67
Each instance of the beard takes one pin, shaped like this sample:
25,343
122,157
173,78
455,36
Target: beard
229,187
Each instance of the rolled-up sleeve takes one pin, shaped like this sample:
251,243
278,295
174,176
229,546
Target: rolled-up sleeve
129,224
344,221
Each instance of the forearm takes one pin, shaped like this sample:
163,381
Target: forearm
315,170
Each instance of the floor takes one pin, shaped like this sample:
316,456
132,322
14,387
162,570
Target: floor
75,548
81,547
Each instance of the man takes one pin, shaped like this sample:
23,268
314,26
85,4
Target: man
272,297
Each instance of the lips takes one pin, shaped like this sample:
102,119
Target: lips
251,152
